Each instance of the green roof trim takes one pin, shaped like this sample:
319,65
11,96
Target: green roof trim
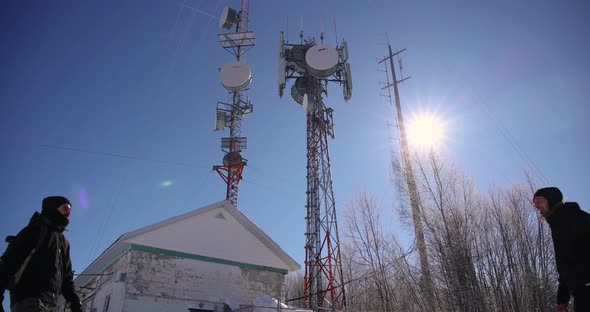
205,258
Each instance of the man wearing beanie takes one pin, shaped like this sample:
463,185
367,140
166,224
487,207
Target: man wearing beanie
36,267
570,230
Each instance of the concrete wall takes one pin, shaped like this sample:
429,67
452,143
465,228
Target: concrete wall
110,284
145,281
157,282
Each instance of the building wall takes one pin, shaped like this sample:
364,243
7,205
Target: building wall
109,287
215,233
157,282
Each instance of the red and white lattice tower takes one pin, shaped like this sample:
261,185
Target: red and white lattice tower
312,65
235,77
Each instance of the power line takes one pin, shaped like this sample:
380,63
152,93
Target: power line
515,145
131,157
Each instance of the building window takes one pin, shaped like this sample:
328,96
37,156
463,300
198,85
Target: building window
107,301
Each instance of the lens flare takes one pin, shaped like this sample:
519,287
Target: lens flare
425,131
166,183
83,198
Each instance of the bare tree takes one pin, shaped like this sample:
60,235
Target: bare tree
355,277
448,202
486,252
370,245
293,289
518,252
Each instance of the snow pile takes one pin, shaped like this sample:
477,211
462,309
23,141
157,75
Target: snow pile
266,303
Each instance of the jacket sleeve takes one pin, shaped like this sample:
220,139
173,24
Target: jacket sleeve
563,294
15,254
68,289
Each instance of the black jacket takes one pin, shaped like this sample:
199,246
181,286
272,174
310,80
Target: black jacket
570,230
49,272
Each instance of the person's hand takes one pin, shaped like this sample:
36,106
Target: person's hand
562,307
76,306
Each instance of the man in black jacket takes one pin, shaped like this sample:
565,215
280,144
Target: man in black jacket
570,230
48,271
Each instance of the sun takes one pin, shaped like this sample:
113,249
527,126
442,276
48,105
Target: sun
425,131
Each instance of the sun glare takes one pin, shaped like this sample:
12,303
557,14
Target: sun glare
425,131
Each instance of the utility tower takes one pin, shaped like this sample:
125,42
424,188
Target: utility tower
408,172
235,77
312,65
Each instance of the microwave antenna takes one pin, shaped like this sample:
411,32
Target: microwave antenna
312,65
235,77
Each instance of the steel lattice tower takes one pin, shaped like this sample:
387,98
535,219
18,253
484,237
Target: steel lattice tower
323,281
324,284
235,77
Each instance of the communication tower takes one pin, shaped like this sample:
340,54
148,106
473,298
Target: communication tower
408,173
312,65
235,77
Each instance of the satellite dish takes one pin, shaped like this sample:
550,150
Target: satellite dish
232,158
282,64
299,93
235,76
296,57
322,60
228,18
298,90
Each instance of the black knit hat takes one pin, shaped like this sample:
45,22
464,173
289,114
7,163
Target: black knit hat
51,203
552,194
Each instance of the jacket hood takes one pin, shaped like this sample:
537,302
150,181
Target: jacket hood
39,219
562,209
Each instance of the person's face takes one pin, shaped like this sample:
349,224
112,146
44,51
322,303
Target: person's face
542,205
65,210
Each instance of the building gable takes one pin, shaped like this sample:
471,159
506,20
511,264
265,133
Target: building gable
219,231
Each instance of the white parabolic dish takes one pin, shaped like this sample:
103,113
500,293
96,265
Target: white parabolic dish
227,18
235,76
322,60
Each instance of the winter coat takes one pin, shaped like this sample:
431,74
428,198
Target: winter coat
49,271
570,230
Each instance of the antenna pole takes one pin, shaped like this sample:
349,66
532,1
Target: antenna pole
426,278
233,163
335,30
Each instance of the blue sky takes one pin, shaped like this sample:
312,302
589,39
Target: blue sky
112,104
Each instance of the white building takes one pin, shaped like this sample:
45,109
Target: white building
211,259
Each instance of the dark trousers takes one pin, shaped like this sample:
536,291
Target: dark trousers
581,299
32,305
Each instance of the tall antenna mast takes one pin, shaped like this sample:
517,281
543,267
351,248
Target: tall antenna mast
426,278
312,66
235,77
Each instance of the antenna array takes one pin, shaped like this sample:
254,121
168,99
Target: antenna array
235,77
312,65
